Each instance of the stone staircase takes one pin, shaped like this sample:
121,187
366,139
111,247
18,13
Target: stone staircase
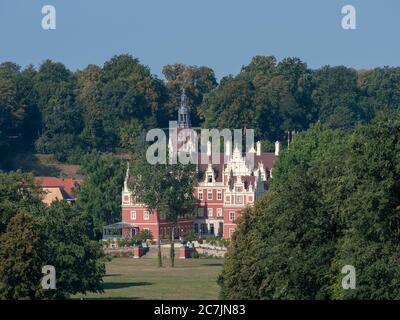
152,253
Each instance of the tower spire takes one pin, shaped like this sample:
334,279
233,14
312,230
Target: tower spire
183,112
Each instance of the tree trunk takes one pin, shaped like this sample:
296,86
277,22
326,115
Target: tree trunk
159,258
172,250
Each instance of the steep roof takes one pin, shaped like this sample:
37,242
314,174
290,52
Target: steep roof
267,158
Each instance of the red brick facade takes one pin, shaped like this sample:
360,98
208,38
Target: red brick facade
225,189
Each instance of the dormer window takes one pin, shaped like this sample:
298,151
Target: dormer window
209,178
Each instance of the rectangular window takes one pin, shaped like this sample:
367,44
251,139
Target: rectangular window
239,199
196,228
219,212
200,195
231,216
219,195
212,229
227,199
200,212
209,195
146,215
133,215
210,212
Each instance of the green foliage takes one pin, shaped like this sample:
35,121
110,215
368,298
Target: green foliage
101,108
19,116
18,193
336,94
165,189
145,235
79,262
333,202
21,259
99,196
268,97
197,82
55,235
189,236
131,92
131,134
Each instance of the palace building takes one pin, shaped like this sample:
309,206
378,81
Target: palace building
224,189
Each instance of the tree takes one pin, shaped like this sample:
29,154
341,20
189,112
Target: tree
131,92
197,82
166,190
18,193
19,115
243,271
96,134
79,262
271,98
371,211
336,95
380,89
12,115
36,236
99,196
178,197
333,202
61,115
60,135
131,135
21,259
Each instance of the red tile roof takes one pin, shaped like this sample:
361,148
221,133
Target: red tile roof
67,184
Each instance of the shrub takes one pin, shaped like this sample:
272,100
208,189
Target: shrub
189,236
145,235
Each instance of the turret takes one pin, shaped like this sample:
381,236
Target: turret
183,112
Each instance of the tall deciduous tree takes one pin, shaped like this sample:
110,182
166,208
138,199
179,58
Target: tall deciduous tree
18,193
36,236
335,203
21,259
197,82
99,196
166,190
79,262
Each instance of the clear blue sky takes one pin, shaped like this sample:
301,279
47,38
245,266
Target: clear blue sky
222,34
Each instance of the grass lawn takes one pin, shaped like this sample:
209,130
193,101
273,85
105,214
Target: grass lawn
129,278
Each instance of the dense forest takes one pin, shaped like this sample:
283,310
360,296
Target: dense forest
53,110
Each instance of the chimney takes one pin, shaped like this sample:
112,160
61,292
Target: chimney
277,148
228,150
208,148
258,146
